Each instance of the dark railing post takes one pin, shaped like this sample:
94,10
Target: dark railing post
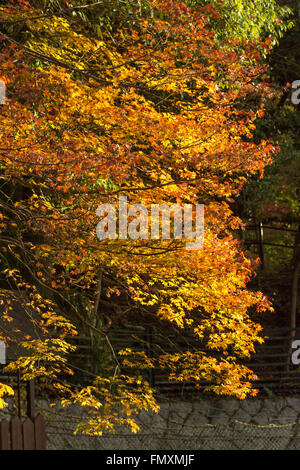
19,393
261,244
30,399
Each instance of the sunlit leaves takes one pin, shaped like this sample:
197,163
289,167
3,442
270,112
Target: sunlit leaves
159,112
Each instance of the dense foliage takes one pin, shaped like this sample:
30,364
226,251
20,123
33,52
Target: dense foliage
143,101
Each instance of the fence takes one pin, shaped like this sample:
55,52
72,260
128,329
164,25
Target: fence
259,240
271,363
233,436
27,430
26,435
203,424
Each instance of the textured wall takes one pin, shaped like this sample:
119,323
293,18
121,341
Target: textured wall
206,424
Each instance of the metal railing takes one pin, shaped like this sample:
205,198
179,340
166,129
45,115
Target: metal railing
271,363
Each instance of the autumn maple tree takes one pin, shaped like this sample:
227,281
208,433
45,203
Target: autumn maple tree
157,110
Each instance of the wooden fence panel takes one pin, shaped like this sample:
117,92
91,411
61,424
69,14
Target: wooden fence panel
16,433
31,435
4,435
28,435
40,433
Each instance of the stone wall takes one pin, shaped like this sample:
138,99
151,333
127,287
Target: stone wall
272,423
269,423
